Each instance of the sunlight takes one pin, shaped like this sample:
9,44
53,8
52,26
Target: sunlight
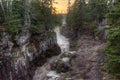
62,5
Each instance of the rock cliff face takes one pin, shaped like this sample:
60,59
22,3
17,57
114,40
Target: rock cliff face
102,31
20,55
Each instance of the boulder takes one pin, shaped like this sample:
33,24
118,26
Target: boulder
19,57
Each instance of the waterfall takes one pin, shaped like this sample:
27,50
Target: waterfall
62,41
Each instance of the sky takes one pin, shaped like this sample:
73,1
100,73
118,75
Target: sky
62,5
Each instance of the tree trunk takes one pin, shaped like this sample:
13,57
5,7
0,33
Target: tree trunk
27,21
2,7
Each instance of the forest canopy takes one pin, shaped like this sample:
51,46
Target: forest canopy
35,15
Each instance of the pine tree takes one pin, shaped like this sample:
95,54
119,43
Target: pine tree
33,15
15,16
86,16
113,50
42,18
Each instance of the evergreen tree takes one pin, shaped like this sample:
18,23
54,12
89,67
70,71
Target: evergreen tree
113,50
42,17
84,15
16,17
98,9
34,15
76,17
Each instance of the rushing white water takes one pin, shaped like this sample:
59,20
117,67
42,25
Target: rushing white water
44,72
64,20
62,41
65,59
53,75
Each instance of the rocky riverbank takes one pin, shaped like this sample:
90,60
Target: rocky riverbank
90,61
22,54
85,63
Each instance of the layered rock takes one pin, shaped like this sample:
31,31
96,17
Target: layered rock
19,56
102,31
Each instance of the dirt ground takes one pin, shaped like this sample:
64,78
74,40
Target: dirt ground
89,64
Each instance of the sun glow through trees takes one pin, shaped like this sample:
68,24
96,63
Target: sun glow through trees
62,5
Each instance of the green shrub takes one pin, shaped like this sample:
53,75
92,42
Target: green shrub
113,49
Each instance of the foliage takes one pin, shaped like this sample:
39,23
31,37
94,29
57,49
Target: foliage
98,9
84,15
14,15
1,17
113,50
76,14
42,17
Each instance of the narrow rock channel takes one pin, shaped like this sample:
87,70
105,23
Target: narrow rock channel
82,64
45,72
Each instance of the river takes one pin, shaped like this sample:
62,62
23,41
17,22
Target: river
62,41
44,72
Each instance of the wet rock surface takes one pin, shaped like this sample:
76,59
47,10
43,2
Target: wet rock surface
30,57
22,54
54,68
82,64
90,61
58,65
